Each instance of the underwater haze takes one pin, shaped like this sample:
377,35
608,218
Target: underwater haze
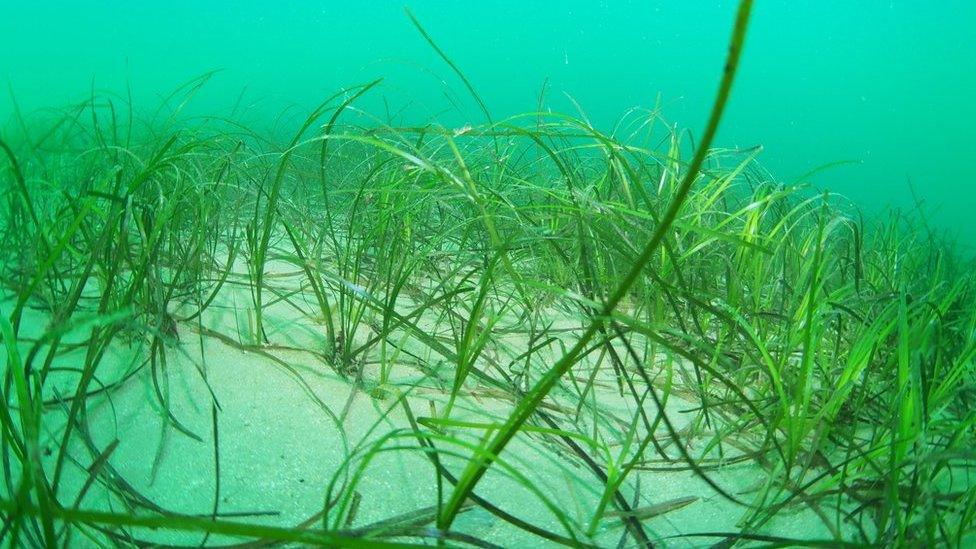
885,85
487,274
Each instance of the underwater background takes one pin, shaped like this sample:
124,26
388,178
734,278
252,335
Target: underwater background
882,91
487,274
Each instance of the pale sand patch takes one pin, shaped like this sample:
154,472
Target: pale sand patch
287,425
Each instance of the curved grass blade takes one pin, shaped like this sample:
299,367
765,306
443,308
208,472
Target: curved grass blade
477,467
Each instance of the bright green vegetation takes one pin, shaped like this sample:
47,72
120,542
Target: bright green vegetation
736,323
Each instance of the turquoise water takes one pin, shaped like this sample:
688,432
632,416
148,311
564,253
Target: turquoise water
886,85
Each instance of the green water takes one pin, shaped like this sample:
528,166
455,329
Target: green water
887,85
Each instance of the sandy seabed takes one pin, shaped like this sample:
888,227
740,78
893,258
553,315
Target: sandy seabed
293,433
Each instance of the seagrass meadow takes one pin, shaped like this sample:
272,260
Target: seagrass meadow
339,330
